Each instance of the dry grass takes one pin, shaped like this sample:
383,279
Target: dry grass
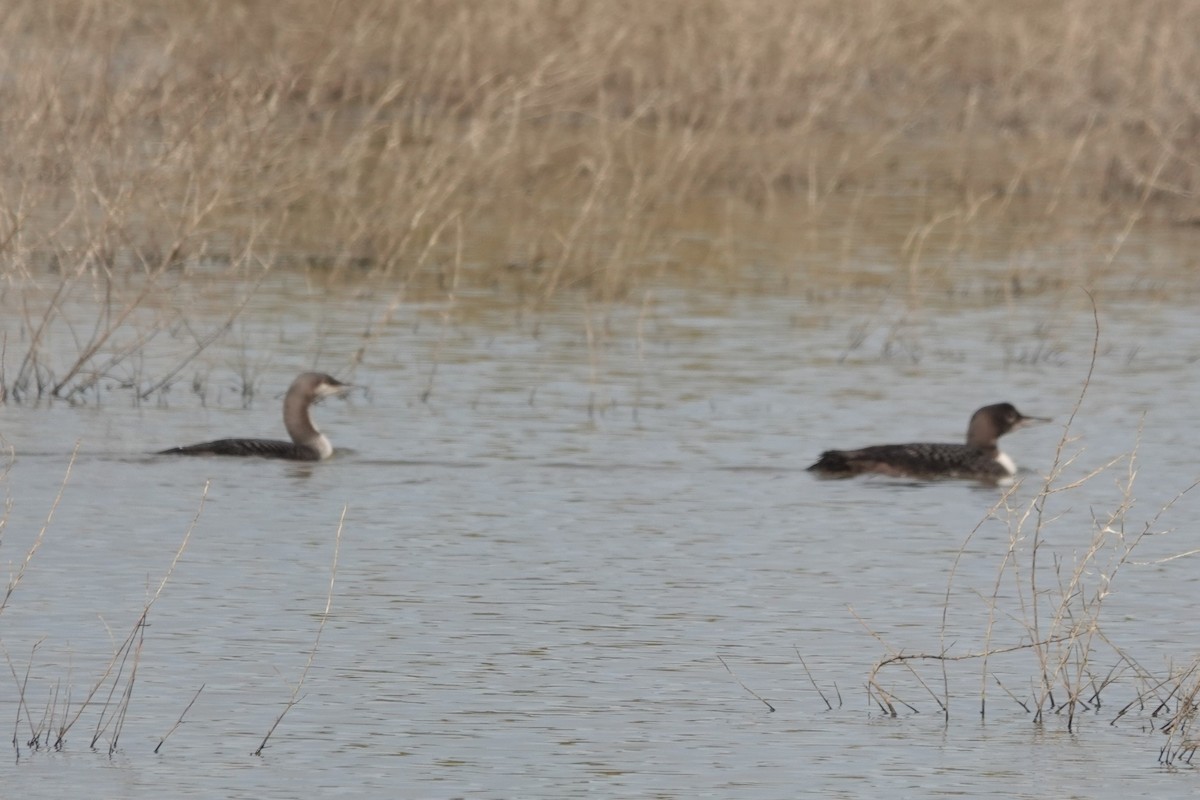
1046,626
157,153
109,696
566,142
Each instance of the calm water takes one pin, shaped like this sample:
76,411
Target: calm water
556,525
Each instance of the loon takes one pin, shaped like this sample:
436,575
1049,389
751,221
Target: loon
307,444
978,459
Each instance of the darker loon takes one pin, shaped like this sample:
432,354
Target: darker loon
307,444
979,458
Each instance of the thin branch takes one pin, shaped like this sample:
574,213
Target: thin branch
744,686
37,542
312,654
179,721
828,705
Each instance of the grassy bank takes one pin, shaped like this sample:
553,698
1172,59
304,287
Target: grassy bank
572,143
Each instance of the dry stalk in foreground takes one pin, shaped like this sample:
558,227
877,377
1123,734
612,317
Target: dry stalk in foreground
312,654
15,580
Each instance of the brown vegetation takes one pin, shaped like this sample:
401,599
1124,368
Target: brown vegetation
570,142
532,146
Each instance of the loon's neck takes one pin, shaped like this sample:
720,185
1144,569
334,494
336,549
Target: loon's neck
297,418
297,411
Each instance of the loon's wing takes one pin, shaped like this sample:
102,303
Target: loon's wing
263,448
916,460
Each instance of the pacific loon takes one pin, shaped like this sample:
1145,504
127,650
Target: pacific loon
979,459
307,444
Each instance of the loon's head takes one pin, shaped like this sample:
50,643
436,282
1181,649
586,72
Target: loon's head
991,422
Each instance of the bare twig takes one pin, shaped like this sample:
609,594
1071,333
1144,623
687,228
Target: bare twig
179,721
312,654
828,705
41,535
744,686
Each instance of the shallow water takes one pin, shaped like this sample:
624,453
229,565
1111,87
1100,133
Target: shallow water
558,527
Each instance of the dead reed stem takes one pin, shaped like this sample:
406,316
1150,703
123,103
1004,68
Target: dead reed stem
179,721
813,681
312,654
22,683
15,580
750,691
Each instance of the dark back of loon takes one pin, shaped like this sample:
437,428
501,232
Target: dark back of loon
979,458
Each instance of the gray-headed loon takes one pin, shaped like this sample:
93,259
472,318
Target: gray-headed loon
307,444
979,459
